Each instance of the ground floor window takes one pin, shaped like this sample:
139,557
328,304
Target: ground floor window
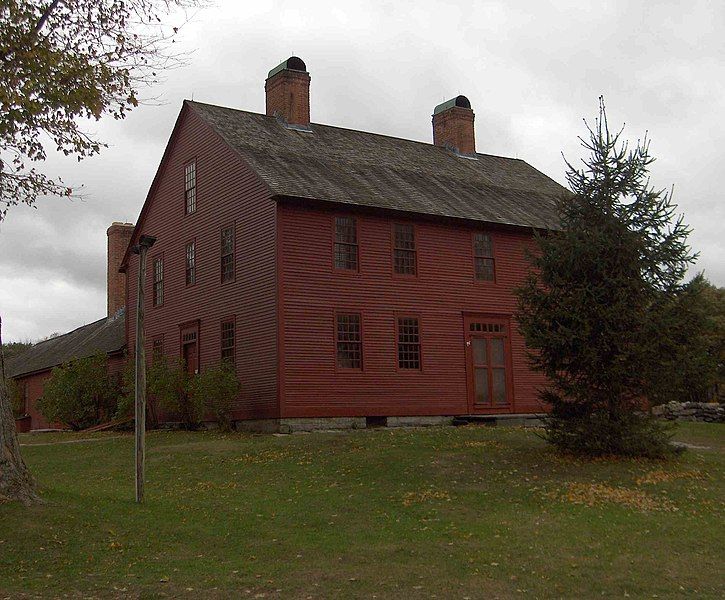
408,343
228,342
348,340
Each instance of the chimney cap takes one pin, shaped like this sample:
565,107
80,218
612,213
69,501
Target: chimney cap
116,225
460,101
293,63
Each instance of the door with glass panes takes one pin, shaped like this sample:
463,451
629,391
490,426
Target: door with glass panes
488,357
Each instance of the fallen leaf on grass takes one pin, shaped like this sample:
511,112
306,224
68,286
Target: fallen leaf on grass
483,444
662,476
425,496
596,494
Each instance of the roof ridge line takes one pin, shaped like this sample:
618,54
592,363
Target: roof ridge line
385,135
57,337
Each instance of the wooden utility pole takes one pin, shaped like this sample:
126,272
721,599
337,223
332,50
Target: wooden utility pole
145,242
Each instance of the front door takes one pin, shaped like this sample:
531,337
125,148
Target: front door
488,362
190,358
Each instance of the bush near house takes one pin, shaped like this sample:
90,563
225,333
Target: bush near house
79,393
171,389
17,402
216,389
168,384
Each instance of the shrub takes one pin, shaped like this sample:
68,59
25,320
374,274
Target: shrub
17,401
217,389
127,397
168,383
79,393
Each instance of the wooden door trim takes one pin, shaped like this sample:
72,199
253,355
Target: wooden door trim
190,327
468,336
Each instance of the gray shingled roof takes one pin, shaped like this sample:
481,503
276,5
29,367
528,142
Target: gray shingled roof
353,167
105,335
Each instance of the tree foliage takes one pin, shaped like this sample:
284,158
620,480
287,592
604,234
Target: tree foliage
604,310
79,393
68,61
714,337
13,349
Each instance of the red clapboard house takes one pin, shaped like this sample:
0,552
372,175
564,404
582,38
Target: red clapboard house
351,277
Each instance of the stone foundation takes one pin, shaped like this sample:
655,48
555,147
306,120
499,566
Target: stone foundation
710,412
318,424
258,426
419,421
299,425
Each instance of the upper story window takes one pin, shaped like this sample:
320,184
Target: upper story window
348,340
190,187
191,263
228,342
404,252
408,343
227,251
158,287
483,257
346,253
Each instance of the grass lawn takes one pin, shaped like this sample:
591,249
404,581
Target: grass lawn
470,512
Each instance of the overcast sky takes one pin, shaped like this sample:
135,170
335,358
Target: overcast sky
532,71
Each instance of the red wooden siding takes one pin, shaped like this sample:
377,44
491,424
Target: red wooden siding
35,385
443,290
227,193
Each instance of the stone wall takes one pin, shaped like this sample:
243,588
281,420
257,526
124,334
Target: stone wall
710,412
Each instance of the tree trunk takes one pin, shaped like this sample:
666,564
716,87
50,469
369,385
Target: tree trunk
16,484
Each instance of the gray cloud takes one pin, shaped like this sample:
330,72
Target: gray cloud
531,71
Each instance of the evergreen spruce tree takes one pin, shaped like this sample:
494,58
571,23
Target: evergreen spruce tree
597,310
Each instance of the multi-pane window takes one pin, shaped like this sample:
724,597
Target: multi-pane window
158,286
227,250
483,257
346,243
157,350
349,341
404,258
191,263
227,344
190,187
408,343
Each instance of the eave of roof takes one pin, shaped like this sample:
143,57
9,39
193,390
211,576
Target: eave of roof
106,335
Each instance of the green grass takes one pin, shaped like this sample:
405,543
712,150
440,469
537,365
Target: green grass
443,512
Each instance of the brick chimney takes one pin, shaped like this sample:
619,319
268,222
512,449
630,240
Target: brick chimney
453,126
288,92
119,236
